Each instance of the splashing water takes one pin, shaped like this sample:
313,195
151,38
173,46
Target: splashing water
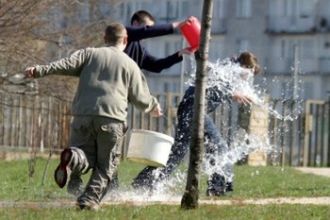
224,73
168,190
242,146
228,77
171,189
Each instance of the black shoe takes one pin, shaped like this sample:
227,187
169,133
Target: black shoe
216,185
90,206
62,171
213,192
229,187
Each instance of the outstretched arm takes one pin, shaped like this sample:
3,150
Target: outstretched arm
71,65
156,65
138,33
242,98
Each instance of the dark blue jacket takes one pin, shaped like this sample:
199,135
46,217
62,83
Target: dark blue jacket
141,56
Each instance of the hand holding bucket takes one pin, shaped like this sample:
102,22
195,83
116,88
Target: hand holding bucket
191,31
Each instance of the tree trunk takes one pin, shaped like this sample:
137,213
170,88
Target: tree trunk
190,197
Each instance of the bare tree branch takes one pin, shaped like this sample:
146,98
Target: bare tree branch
44,30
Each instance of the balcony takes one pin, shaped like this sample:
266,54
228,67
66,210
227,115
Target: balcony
291,24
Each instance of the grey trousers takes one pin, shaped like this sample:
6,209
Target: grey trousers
96,144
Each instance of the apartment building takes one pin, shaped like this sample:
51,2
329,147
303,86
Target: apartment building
286,35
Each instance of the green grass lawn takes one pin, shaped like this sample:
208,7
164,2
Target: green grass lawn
250,182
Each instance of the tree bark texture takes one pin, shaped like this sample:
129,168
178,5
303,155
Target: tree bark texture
190,197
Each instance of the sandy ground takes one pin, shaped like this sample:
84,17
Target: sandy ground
173,201
264,201
177,200
316,171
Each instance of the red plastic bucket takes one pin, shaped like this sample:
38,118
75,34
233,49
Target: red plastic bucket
191,32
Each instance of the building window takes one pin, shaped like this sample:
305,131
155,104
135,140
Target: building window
218,11
291,8
167,87
183,11
287,48
130,12
160,11
307,49
168,10
327,45
124,12
299,8
242,45
283,46
308,90
243,8
172,10
286,90
306,8
216,50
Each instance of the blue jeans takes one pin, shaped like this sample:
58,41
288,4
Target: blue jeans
213,149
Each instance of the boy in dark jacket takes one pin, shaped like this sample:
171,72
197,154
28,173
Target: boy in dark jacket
143,27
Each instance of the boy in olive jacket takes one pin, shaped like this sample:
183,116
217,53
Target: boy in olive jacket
109,80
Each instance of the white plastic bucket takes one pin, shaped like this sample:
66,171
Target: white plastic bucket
149,147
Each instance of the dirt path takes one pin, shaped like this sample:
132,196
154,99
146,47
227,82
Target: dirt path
316,171
264,201
173,201
176,200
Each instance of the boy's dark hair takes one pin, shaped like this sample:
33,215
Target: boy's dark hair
249,60
114,32
140,17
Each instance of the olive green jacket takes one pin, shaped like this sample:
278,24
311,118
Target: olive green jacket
109,80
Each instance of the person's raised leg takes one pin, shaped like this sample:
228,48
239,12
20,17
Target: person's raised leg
82,142
109,136
62,172
79,166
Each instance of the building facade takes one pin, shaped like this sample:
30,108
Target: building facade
291,38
